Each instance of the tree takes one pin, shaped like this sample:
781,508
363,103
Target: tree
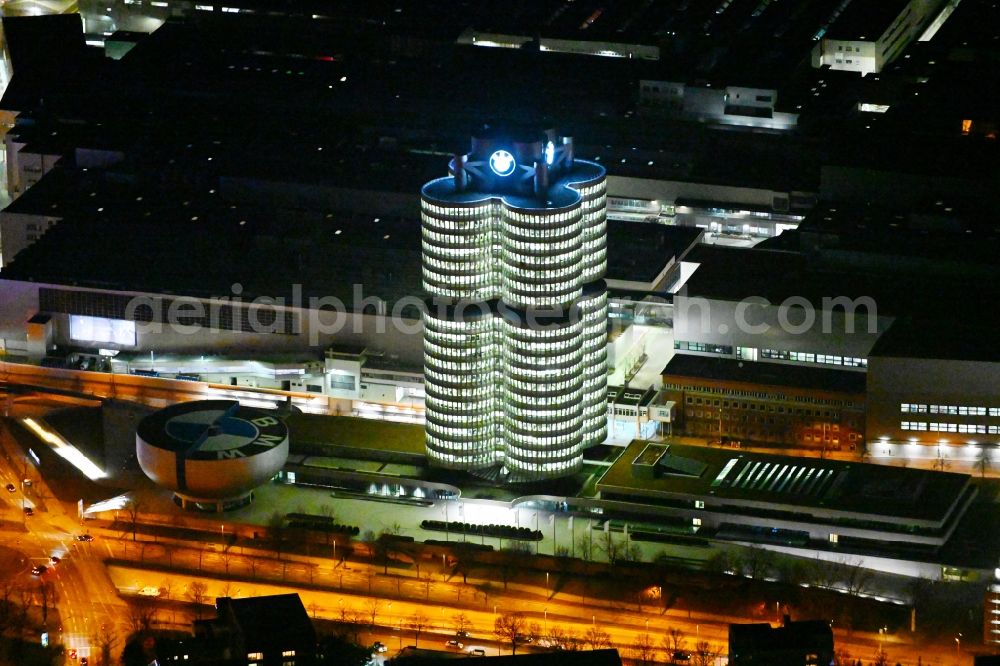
673,641
417,622
584,542
372,607
507,627
276,532
383,548
643,649
881,658
105,641
132,508
461,622
196,595
857,579
983,460
596,638
704,655
141,612
46,599
757,562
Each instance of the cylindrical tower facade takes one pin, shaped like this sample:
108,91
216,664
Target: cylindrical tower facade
542,252
520,227
594,310
595,228
542,394
460,375
457,244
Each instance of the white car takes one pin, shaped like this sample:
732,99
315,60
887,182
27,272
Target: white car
454,644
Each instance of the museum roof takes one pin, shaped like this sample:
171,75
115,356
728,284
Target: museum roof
765,482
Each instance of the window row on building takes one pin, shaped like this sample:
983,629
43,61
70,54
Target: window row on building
953,410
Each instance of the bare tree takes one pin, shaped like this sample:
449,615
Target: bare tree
584,543
132,508
46,598
252,564
141,612
372,607
417,622
881,658
704,654
673,641
166,588
756,562
461,622
105,639
596,638
643,649
276,531
857,579
507,627
196,595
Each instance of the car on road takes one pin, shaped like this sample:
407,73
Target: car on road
523,638
11,488
461,634
680,657
379,646
27,483
28,511
84,537
477,651
454,644
55,559
84,661
38,569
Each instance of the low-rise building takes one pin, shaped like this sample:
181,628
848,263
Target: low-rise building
766,403
802,643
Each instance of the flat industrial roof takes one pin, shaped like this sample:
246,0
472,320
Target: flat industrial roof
354,433
734,274
202,246
640,250
954,339
769,374
837,486
866,20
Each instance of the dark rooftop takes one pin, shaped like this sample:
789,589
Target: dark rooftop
767,374
777,274
865,20
835,486
954,339
639,251
807,635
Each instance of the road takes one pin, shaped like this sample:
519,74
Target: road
84,594
335,590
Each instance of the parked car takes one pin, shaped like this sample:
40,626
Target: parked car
39,569
55,559
28,511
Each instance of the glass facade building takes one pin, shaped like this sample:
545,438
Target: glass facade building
515,333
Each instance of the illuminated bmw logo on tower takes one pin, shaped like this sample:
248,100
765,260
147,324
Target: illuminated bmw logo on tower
502,163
